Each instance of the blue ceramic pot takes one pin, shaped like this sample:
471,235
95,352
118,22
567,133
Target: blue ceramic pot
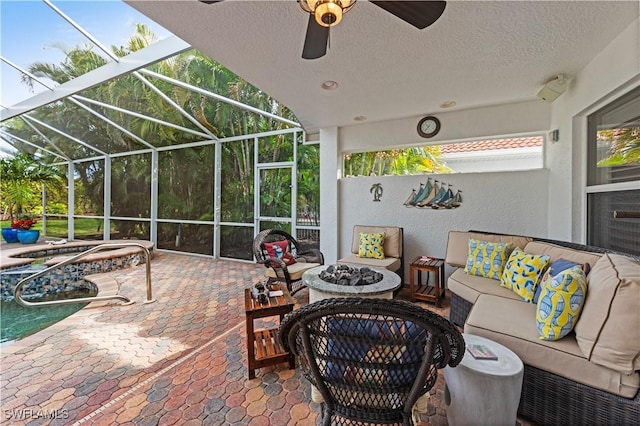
28,237
10,235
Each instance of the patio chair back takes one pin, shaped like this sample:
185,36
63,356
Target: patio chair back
370,359
277,268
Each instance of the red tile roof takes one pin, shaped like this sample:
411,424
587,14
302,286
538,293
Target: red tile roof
492,144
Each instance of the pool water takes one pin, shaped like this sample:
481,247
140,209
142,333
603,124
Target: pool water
17,321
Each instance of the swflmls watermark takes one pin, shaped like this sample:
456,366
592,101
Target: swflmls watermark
32,413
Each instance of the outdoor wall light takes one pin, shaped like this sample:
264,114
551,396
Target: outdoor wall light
327,12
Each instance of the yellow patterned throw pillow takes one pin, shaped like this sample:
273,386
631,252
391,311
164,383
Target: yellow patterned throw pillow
371,245
523,272
486,259
560,303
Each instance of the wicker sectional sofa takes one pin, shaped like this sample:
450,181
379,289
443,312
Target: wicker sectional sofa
590,376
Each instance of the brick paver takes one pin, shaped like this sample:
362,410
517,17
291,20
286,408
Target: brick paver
180,360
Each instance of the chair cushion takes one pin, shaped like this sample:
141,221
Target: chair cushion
608,331
390,263
295,271
279,250
523,272
372,346
560,303
392,240
470,287
486,259
511,323
556,252
371,245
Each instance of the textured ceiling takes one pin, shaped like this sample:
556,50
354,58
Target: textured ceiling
478,53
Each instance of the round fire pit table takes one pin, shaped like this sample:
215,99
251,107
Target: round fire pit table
320,289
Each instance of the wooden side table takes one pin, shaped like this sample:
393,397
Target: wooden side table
263,347
426,292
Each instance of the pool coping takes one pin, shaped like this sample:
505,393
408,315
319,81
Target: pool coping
9,259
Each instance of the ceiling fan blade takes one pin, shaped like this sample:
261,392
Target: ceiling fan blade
210,1
315,42
420,14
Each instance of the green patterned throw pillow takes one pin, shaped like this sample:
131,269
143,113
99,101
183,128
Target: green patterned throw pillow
523,272
486,259
371,245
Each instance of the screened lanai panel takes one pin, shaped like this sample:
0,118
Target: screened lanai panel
275,192
89,188
23,137
131,186
236,179
186,183
155,134
130,229
186,237
108,22
127,100
51,124
236,242
276,148
57,198
80,124
87,228
308,183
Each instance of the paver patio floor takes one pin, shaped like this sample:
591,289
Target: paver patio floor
181,360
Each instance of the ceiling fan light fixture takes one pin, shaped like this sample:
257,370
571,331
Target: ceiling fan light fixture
327,12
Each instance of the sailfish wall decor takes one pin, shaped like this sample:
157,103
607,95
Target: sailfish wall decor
434,195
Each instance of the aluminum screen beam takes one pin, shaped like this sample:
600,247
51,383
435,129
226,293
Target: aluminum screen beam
163,49
219,97
6,136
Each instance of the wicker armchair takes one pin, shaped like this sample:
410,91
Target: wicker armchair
370,359
277,269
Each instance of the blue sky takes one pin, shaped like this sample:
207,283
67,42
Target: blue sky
30,31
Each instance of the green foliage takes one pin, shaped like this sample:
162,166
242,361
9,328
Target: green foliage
624,147
185,176
21,179
410,161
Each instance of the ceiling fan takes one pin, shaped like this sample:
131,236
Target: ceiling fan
324,14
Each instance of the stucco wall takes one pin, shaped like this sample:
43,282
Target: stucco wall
512,202
484,193
612,72
547,202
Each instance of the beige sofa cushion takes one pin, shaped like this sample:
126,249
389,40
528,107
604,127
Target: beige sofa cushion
470,287
390,263
392,239
556,252
608,330
512,323
458,244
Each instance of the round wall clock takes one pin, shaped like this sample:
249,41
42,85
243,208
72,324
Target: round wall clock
428,127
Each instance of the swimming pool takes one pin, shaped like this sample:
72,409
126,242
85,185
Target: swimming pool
64,282
17,321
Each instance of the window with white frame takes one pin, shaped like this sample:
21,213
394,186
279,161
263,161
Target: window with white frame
613,175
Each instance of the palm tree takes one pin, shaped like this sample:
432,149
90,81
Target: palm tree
21,178
184,175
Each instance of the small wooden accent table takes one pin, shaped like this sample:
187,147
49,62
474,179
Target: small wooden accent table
263,347
426,292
